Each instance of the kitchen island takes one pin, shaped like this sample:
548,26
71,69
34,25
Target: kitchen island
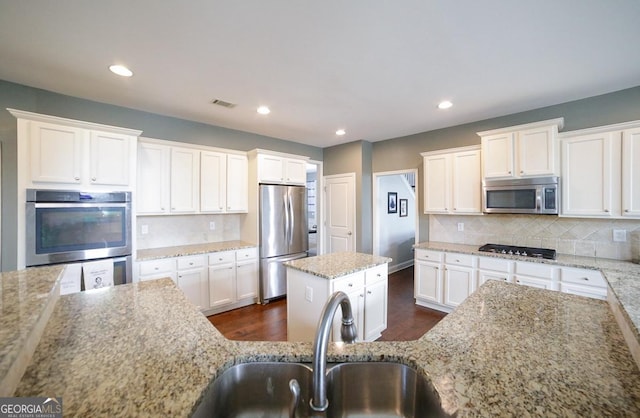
311,281
143,350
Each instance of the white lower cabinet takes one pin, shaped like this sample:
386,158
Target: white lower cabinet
459,279
538,275
307,294
192,279
443,280
428,277
214,282
583,282
233,279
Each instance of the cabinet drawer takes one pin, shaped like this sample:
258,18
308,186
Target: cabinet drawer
191,262
428,255
583,277
348,284
247,254
165,265
495,264
458,259
376,274
534,270
222,257
587,291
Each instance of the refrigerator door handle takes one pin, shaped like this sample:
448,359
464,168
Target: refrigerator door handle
292,220
287,222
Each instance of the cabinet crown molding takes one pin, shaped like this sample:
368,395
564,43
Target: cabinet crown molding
166,142
257,151
22,114
559,122
600,129
451,150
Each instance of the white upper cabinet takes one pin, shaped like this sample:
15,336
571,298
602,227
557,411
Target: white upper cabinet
281,169
64,153
600,174
154,161
521,151
56,153
185,180
452,181
237,183
631,172
110,158
213,181
224,182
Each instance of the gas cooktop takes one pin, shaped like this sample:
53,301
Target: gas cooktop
533,252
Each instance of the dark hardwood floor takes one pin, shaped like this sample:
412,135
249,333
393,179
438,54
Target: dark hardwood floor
405,320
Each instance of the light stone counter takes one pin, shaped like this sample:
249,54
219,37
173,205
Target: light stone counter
193,249
141,350
623,278
334,265
27,298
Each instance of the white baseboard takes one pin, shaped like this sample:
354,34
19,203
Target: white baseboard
401,266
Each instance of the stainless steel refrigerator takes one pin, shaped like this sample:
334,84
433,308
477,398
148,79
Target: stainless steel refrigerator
283,235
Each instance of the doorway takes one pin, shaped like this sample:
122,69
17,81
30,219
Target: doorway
340,204
314,207
395,229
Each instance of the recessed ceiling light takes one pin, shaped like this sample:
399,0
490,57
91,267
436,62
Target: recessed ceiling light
121,70
446,104
341,132
264,110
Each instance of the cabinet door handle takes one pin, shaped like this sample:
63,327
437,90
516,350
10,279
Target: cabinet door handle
350,284
93,179
585,279
379,275
626,210
509,172
521,172
368,292
76,178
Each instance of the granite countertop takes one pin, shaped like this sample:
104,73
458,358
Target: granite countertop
334,265
623,278
508,350
193,249
27,298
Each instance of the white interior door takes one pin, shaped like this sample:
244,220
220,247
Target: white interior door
340,203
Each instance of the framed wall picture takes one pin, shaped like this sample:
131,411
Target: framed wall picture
392,202
403,207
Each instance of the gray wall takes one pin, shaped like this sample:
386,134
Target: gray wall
355,157
404,152
156,126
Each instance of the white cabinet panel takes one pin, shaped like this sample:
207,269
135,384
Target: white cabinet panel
222,289
110,158
56,153
279,169
452,182
631,173
185,180
237,183
458,284
213,181
152,193
497,154
375,309
588,175
428,282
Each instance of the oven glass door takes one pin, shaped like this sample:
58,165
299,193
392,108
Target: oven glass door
523,199
64,229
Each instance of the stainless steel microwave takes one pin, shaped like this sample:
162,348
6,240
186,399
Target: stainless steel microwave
536,195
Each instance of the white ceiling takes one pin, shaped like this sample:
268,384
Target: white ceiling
375,68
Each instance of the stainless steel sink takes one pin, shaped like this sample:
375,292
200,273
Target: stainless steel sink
354,389
380,389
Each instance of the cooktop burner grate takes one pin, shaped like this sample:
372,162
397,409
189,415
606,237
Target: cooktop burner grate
533,252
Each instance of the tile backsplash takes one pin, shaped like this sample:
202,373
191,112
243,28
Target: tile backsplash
167,231
574,236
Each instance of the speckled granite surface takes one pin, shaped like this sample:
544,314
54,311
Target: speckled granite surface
181,250
623,278
508,350
133,350
27,298
334,265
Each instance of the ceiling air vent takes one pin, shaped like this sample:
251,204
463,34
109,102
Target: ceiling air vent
223,103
